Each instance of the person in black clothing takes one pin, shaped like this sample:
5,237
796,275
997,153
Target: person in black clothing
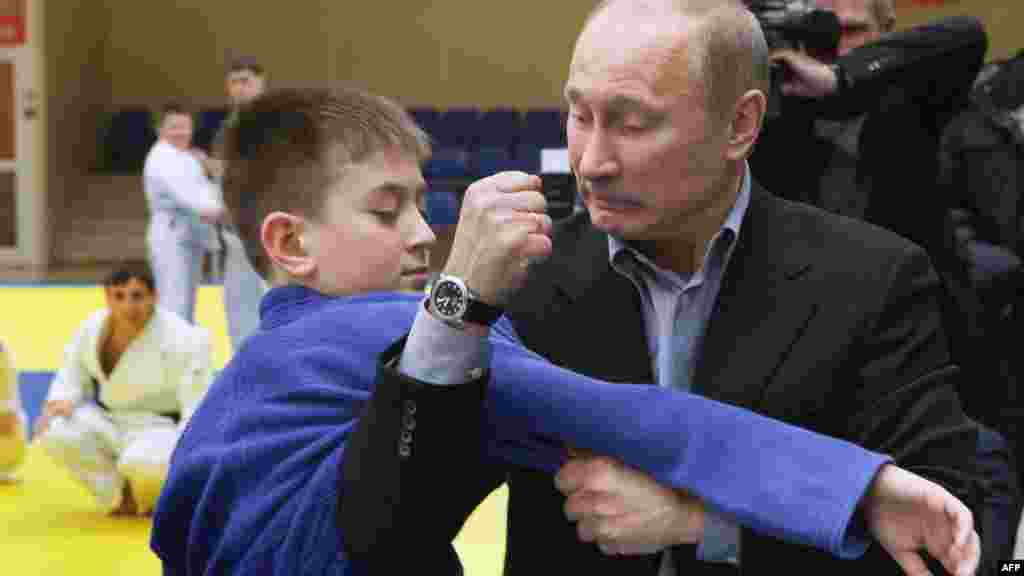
860,130
981,163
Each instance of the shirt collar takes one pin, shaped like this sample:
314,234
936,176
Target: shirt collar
728,234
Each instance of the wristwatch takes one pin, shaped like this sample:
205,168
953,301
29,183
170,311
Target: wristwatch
455,304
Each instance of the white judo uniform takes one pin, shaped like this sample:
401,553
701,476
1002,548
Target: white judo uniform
177,191
12,442
125,424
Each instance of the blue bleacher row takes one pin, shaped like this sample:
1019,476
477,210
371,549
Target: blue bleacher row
468,142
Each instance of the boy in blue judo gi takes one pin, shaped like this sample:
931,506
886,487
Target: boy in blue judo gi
314,452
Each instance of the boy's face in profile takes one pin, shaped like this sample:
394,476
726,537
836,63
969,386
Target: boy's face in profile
371,235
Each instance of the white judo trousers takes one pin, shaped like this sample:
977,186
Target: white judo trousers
12,441
120,429
104,450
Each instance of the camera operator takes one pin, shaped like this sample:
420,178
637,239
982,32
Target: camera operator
865,116
856,131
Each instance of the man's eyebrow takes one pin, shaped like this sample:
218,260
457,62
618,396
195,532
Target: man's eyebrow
618,104
622,103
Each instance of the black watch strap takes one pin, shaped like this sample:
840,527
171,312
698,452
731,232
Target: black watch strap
482,313
456,303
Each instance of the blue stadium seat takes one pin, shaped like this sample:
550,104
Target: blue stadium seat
448,163
442,208
499,127
127,139
490,160
527,158
458,128
427,118
544,127
207,125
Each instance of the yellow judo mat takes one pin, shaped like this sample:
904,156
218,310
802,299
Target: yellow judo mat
50,525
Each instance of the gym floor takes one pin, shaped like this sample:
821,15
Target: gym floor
51,525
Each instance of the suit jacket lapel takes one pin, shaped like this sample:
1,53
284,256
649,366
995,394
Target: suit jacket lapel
760,310
608,302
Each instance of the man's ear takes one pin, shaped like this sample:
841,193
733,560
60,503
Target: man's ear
282,238
745,125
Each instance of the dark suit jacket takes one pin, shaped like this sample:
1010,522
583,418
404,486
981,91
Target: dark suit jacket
905,87
822,321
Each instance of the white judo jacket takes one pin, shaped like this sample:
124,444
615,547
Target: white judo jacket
165,370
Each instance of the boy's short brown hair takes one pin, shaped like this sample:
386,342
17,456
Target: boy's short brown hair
288,146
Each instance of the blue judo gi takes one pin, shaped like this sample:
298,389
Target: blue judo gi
255,481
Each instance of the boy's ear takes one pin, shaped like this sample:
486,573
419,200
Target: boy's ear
282,237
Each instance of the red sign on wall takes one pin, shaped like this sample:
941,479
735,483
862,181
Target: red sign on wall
12,30
12,22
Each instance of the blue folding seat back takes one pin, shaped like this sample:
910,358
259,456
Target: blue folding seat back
544,128
458,128
442,207
448,163
427,118
499,127
491,160
127,140
527,158
207,125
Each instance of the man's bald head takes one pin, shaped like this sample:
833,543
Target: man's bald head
716,43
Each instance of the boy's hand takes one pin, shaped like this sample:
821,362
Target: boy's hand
908,514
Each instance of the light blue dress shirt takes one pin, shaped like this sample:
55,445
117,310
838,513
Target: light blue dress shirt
676,309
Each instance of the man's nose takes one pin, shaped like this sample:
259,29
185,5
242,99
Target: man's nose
597,160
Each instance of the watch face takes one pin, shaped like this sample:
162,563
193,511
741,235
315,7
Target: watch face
449,299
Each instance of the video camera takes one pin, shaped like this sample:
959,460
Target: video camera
794,25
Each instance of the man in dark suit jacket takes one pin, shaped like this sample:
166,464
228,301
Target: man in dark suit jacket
862,127
818,320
